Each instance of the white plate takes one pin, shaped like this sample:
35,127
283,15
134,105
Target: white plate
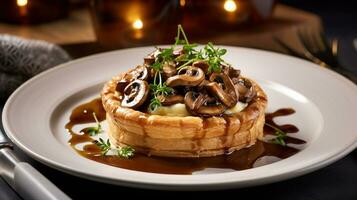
35,114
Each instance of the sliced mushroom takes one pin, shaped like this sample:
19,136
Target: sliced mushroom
203,84
169,69
121,85
223,88
246,90
135,94
171,99
193,76
194,100
150,59
178,52
231,72
197,104
217,91
202,65
141,73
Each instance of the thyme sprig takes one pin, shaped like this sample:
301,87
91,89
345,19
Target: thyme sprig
213,56
210,54
158,88
105,146
125,152
95,130
280,137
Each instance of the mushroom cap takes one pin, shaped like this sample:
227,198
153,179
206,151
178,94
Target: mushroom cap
168,70
171,99
197,104
193,76
246,90
135,94
217,91
223,88
202,65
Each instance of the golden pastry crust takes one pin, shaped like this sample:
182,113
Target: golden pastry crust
189,136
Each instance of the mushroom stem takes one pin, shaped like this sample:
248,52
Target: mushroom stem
223,88
172,99
217,91
246,90
196,106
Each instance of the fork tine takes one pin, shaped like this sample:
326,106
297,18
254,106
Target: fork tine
306,55
309,53
326,55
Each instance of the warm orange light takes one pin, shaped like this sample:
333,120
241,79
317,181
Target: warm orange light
182,3
230,6
138,24
21,3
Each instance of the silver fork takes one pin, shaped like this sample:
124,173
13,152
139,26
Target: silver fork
319,50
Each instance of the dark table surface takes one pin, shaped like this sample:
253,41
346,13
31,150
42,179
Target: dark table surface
337,181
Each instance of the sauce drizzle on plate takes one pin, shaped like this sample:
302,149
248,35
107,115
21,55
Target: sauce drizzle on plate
261,153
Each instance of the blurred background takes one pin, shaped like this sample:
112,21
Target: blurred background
322,28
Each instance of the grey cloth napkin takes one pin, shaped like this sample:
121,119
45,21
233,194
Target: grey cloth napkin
21,59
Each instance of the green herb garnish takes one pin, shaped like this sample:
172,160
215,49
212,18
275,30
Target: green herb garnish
209,54
157,89
280,135
92,131
126,152
105,147
213,57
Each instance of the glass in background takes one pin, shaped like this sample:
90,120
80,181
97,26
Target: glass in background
128,23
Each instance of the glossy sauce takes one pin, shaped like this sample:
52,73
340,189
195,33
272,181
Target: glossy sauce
260,153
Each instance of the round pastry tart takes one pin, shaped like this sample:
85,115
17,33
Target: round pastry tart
184,102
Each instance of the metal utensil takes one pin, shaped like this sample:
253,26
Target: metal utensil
23,178
318,50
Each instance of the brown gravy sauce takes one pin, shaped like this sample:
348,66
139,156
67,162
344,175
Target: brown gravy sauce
239,160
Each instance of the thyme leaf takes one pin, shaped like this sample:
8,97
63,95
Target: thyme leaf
105,147
126,152
157,89
210,54
280,135
95,130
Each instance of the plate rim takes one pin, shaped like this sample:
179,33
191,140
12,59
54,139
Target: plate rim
148,184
